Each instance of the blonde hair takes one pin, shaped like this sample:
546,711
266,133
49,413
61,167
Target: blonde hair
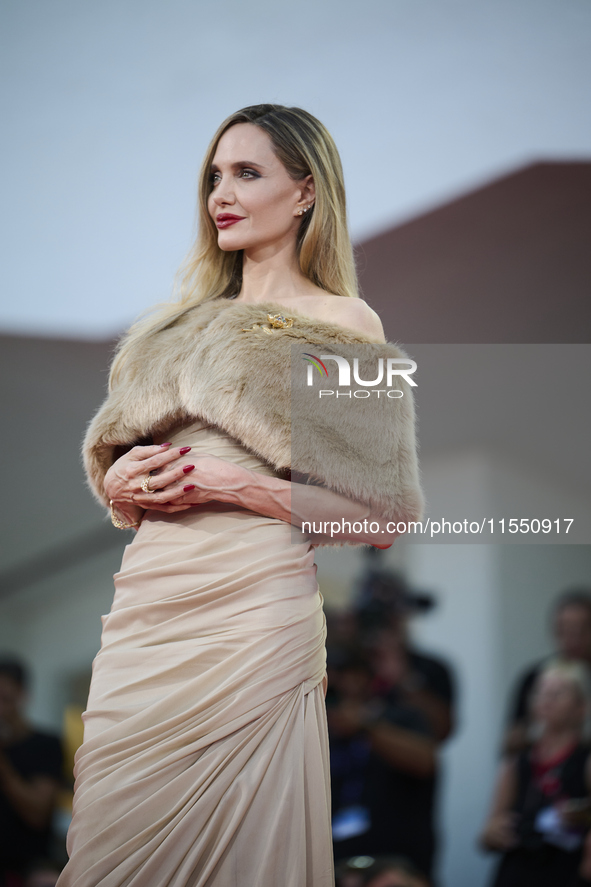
305,147
578,676
576,673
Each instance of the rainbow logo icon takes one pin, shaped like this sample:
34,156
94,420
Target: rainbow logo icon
315,362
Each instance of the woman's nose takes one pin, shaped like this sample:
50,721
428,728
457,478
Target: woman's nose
224,193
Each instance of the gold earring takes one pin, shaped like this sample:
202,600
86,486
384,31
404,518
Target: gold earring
300,212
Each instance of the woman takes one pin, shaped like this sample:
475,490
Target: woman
205,756
541,808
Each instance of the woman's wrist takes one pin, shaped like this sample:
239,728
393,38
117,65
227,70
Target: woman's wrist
125,515
244,488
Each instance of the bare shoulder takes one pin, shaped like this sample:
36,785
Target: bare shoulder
355,314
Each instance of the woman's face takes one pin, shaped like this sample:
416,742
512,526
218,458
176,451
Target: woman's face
557,702
253,200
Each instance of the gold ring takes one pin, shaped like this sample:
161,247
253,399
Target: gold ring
146,484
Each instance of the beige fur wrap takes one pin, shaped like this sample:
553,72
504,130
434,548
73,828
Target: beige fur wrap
220,362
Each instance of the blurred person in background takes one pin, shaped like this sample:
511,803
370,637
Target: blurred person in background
30,775
541,809
389,708
571,628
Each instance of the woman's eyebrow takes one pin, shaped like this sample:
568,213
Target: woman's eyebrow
239,164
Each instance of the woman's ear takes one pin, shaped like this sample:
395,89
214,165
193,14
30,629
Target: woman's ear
308,195
310,189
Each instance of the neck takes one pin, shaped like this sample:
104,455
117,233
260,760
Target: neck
268,274
554,739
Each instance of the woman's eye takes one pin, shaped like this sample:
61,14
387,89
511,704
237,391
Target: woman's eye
245,173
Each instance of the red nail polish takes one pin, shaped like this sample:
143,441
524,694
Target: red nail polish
188,488
166,445
184,450
188,468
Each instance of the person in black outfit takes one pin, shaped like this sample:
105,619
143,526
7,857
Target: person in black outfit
388,710
571,627
30,774
541,809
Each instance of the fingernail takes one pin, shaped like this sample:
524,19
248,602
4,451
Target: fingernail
188,468
166,445
188,488
184,450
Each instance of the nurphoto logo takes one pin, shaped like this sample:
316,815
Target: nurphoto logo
387,372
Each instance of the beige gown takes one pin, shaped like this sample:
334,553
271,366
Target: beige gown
205,754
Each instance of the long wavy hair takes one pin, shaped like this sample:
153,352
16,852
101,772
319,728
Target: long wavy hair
324,249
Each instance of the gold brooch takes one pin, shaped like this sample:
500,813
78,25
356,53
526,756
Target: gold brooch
275,322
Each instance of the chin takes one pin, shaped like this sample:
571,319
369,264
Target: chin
228,247
228,243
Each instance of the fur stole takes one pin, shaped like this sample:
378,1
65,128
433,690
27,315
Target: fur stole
217,363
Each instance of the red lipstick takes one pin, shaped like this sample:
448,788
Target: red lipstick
224,220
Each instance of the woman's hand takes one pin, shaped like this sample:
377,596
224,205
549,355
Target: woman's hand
576,813
206,478
162,464
174,483
500,832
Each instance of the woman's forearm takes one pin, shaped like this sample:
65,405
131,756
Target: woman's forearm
324,515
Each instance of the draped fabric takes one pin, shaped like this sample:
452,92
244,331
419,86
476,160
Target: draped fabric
205,754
